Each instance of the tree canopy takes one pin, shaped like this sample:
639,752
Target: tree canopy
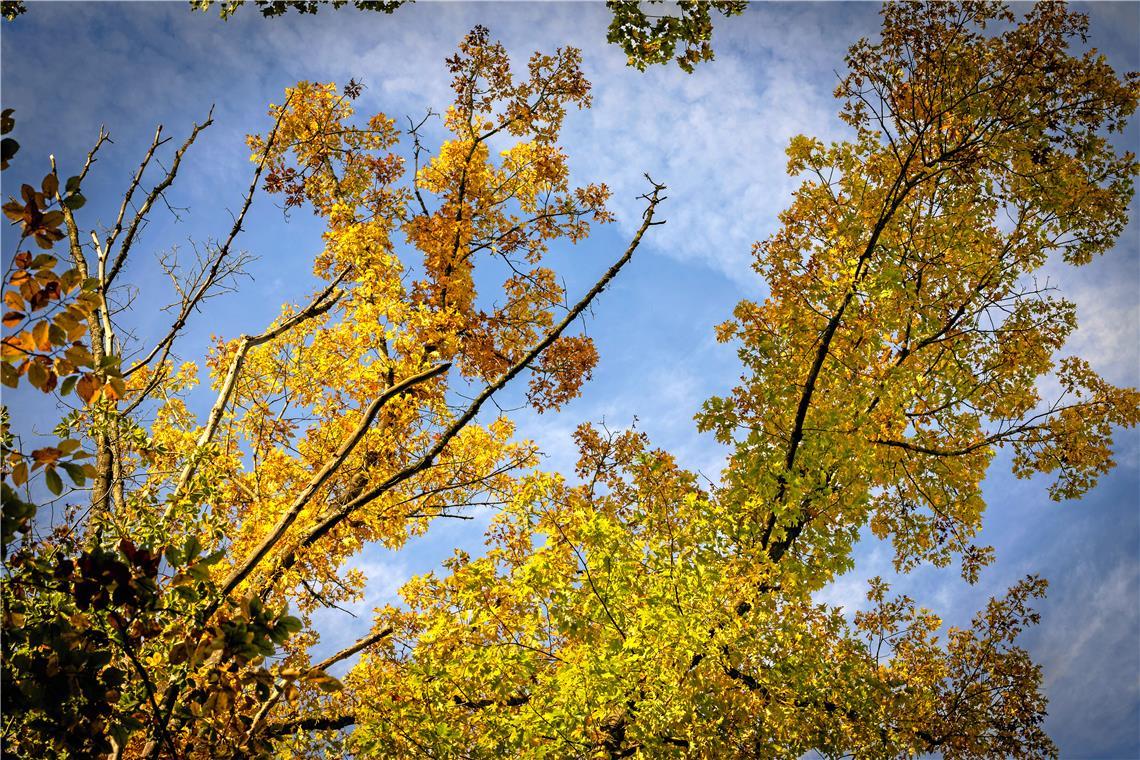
630,608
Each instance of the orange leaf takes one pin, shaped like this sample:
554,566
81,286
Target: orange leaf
16,346
41,336
46,455
87,386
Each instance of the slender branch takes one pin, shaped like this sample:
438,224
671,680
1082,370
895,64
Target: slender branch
156,191
104,136
189,304
314,724
323,665
118,228
124,644
590,579
320,304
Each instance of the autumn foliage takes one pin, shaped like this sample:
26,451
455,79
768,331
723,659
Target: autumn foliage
628,608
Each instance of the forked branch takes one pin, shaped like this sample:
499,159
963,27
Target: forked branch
320,304
240,572
191,302
148,203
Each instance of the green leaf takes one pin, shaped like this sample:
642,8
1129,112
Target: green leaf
53,481
20,473
67,386
211,559
75,472
192,548
290,624
174,555
75,201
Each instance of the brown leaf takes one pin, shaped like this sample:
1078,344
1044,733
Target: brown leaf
63,367
50,185
79,355
46,455
86,388
69,280
49,292
52,219
57,335
46,238
37,375
14,210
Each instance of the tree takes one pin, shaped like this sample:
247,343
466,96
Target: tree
629,610
635,612
142,627
646,38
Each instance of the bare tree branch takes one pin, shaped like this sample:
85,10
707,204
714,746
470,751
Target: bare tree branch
156,191
118,228
189,304
320,304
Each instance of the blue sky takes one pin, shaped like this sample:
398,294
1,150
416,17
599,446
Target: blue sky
716,137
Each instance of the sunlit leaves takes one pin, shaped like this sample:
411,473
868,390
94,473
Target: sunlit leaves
639,608
38,224
46,312
905,337
656,38
903,341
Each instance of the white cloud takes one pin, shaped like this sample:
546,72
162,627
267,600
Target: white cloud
1087,649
